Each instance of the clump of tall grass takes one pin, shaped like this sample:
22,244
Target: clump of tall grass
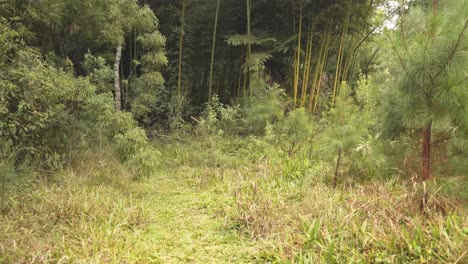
89,213
308,221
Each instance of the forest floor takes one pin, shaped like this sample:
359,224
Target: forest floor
218,201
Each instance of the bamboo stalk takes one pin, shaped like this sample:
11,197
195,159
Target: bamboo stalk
249,49
340,58
313,87
213,47
306,73
347,65
298,60
181,40
322,69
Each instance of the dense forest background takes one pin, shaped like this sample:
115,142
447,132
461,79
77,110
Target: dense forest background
303,120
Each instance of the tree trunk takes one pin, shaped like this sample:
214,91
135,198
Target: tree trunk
338,160
249,51
117,88
426,153
181,42
213,48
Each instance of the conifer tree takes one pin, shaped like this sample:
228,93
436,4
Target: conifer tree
344,130
427,91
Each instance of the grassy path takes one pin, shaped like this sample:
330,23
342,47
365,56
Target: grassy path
100,218
188,227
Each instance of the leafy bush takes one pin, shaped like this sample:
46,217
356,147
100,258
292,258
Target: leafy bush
133,149
342,131
293,131
99,72
267,106
47,113
218,118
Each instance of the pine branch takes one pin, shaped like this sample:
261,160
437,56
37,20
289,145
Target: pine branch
452,53
442,140
374,29
372,58
399,57
411,136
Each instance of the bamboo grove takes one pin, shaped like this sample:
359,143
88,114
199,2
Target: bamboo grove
170,58
308,47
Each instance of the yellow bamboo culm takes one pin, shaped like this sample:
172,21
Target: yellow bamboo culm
347,63
322,69
213,49
245,71
339,59
306,73
298,58
314,80
313,87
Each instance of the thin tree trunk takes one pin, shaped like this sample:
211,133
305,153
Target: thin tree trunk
213,48
426,173
426,153
117,88
181,41
338,160
249,49
239,82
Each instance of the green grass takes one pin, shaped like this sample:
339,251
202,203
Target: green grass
101,219
222,201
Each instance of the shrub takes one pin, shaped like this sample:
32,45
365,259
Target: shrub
267,106
133,149
293,131
47,113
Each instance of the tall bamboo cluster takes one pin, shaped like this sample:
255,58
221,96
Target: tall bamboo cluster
340,57
310,65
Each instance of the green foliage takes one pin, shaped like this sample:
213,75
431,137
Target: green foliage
428,78
99,72
267,106
148,91
294,131
228,176
44,110
41,104
218,118
342,134
424,91
133,149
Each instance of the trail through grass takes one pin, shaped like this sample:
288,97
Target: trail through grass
187,225
230,201
164,219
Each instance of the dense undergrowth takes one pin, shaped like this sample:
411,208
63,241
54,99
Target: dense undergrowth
374,172
262,205
286,205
